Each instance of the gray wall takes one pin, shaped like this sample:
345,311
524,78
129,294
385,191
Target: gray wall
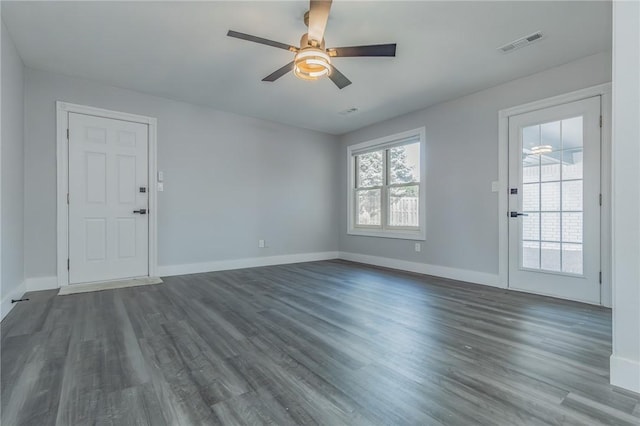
12,168
229,180
462,161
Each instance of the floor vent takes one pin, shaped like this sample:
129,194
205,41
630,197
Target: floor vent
521,42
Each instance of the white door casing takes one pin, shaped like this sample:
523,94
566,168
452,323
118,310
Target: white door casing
104,157
554,242
108,162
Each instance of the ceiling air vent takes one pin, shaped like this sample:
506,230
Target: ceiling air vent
348,111
521,42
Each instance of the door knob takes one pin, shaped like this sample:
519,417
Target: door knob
141,211
516,214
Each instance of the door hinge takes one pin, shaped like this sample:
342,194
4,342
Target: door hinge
67,134
600,199
600,277
68,264
600,121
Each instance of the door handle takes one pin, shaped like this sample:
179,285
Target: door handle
516,214
141,211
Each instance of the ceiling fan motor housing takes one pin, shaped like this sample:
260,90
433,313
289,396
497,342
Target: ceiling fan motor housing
305,42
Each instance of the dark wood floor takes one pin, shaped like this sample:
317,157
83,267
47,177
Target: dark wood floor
331,343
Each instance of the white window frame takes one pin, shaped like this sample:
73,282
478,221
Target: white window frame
384,230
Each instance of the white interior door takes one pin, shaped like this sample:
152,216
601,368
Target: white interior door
554,201
108,199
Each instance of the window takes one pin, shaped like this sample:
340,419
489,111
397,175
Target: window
386,187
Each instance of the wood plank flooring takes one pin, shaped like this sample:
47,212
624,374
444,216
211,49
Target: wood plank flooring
332,343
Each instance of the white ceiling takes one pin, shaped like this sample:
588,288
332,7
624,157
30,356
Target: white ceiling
180,51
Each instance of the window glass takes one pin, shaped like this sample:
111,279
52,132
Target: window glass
368,207
403,206
404,163
370,169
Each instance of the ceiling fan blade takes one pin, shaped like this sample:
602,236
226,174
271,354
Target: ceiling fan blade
371,50
338,78
318,16
261,40
279,73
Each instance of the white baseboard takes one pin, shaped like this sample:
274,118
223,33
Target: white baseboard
16,293
625,373
249,262
424,268
41,283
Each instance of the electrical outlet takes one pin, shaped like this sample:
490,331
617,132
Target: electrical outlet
160,186
418,247
261,244
495,186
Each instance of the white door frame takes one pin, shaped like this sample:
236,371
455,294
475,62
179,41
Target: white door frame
62,115
603,90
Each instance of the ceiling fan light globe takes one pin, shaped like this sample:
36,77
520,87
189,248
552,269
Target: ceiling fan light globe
312,63
320,73
309,52
541,149
315,62
298,73
308,75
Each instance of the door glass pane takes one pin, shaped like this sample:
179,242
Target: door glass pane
550,226
530,162
550,135
531,197
530,169
530,137
572,258
531,227
572,195
550,166
404,163
370,169
531,254
550,256
368,207
403,206
572,163
572,227
552,196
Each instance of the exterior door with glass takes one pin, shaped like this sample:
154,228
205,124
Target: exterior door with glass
554,201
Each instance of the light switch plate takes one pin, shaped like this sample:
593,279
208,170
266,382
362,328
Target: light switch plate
160,176
495,186
160,187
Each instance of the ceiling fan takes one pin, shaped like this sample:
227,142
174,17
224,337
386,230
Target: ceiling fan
312,59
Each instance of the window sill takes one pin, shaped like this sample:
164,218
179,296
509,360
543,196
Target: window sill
396,234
